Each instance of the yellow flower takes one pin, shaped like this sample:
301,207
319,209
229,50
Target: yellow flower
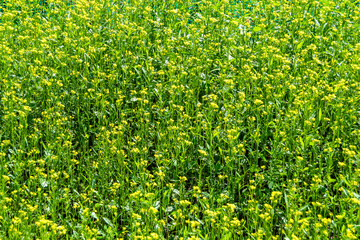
258,102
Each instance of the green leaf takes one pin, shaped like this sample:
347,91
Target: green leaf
299,45
286,200
304,208
356,195
257,29
93,215
302,143
108,222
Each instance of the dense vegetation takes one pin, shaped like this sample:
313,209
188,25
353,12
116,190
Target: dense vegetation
147,119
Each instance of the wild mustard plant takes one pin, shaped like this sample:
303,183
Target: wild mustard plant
179,119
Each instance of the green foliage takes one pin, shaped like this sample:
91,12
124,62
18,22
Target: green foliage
179,119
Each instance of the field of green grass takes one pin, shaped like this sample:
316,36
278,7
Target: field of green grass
179,120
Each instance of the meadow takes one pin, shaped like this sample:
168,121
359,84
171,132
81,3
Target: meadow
179,120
